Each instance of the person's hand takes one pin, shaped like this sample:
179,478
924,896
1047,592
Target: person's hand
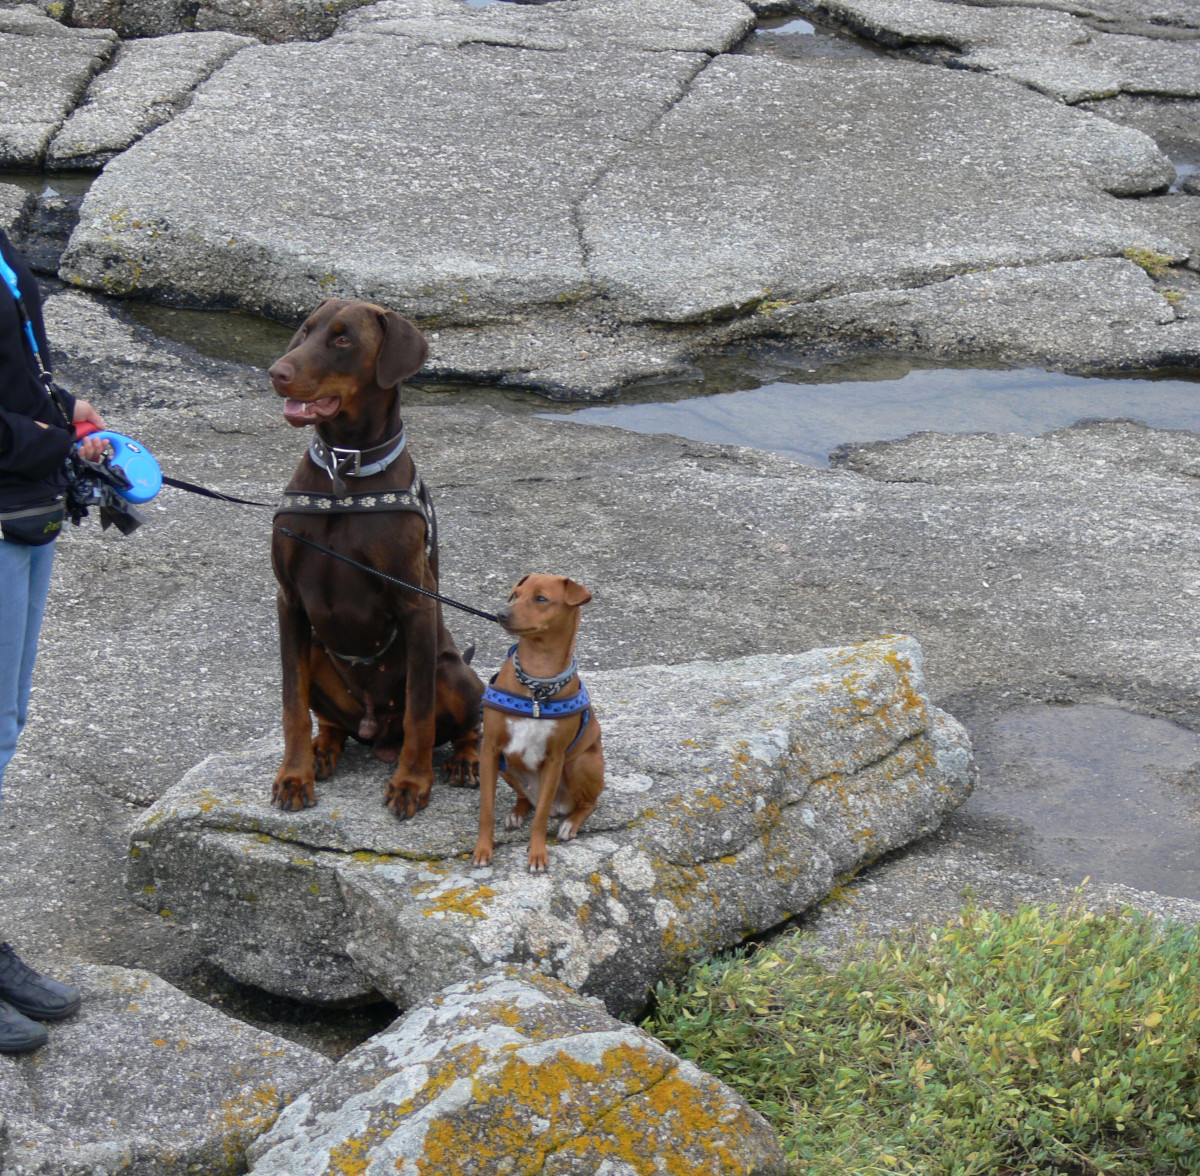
93,448
90,448
85,412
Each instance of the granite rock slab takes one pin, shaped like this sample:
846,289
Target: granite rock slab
44,70
857,175
15,205
145,1080
1099,316
521,1075
737,793
149,81
446,186
677,26
1054,52
268,20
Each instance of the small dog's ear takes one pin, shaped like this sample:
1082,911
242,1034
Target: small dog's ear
522,580
577,594
403,352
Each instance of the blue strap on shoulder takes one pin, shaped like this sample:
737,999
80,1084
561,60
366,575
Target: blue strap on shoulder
10,280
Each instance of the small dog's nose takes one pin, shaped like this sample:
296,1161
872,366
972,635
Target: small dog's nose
504,615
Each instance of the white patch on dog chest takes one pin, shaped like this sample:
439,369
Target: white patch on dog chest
527,739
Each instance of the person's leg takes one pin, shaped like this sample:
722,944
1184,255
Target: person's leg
16,566
24,585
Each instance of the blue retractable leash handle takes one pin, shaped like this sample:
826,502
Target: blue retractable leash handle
134,460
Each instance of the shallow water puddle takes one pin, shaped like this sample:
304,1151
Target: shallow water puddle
786,26
806,416
1095,790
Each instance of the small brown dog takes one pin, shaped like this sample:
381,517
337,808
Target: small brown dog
539,731
371,660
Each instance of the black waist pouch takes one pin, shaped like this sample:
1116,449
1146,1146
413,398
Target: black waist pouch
33,525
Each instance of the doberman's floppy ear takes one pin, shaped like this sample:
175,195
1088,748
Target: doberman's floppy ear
403,352
295,340
577,594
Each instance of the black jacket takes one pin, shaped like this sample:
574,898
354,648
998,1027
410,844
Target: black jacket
31,458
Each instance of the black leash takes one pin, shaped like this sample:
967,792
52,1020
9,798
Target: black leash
362,567
192,488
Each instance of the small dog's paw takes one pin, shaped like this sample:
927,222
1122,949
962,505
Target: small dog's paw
539,860
566,831
515,819
482,855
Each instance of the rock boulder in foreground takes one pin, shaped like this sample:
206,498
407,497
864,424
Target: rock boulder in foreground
520,1075
144,1080
737,793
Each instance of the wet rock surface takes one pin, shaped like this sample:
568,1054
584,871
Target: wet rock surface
520,1074
145,1079
737,793
637,239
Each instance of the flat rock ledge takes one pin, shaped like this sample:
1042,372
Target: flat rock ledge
737,794
144,1080
523,1076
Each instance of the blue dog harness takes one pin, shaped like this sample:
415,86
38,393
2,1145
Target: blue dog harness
533,708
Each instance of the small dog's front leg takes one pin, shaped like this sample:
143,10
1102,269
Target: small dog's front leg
489,769
549,776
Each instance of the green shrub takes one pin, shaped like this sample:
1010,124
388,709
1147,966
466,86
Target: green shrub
1053,1042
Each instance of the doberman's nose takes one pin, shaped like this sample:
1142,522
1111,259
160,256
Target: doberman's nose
281,372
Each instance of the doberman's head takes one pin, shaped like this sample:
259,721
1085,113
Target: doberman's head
541,606
346,360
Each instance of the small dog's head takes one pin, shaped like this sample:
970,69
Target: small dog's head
543,605
342,353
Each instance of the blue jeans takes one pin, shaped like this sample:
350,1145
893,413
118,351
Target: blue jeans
24,584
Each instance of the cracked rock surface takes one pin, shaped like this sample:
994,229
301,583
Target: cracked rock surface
45,69
1055,52
736,794
148,83
519,1074
576,196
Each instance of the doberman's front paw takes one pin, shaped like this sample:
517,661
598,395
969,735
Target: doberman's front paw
462,769
405,798
326,753
292,792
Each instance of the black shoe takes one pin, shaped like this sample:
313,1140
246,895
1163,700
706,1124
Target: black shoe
33,994
19,1034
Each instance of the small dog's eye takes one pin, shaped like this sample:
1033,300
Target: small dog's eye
542,599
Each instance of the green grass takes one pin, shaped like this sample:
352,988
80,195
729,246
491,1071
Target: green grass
1054,1042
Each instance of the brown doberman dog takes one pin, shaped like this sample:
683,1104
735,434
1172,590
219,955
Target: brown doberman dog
370,659
538,728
